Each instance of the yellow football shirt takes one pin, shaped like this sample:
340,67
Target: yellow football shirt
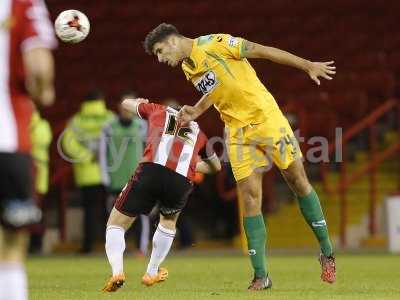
216,68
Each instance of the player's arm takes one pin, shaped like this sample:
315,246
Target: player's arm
133,104
208,166
189,113
39,67
314,69
37,41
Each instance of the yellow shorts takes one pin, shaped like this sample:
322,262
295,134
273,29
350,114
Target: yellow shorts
256,146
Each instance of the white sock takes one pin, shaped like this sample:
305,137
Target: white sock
13,282
115,247
162,241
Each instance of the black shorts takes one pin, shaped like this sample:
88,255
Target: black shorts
15,176
154,184
17,209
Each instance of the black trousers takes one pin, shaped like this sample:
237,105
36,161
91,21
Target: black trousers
94,215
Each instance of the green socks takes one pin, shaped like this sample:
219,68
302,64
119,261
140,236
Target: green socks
256,233
256,237
312,212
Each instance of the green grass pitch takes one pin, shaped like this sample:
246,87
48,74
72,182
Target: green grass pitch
216,277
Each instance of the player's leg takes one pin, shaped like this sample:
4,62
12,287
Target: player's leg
117,225
250,189
246,160
309,203
310,207
287,155
174,192
16,211
13,281
135,199
162,242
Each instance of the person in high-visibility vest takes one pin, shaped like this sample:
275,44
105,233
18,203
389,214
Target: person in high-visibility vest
41,137
80,144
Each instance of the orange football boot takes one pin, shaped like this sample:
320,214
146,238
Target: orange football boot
114,283
161,276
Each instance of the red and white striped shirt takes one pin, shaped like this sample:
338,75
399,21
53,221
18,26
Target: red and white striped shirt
170,145
24,25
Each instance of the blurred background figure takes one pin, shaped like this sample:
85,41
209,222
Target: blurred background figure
226,225
80,142
121,147
41,137
27,72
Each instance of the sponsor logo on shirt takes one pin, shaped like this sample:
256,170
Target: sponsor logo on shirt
233,42
207,83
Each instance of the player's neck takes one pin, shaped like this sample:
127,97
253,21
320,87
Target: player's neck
187,45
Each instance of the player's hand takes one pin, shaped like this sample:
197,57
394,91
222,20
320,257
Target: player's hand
187,114
321,69
131,103
47,97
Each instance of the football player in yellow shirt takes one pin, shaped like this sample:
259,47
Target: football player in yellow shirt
256,130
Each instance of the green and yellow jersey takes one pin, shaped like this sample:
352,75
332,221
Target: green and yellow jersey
217,68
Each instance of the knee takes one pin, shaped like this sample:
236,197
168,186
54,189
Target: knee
118,219
14,247
169,221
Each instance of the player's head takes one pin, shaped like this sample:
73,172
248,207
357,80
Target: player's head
124,113
128,94
94,95
164,41
172,102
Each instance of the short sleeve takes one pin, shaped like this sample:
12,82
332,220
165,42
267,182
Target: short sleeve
228,46
36,27
144,110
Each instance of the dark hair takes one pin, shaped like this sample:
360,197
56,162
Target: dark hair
94,95
128,94
159,34
175,106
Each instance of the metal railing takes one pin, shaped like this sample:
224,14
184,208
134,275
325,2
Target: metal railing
346,180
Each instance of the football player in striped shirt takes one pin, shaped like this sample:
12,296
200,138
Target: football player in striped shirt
172,156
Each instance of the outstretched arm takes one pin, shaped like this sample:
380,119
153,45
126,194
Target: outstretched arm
313,69
132,104
189,113
39,66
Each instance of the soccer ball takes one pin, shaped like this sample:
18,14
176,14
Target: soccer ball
72,26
